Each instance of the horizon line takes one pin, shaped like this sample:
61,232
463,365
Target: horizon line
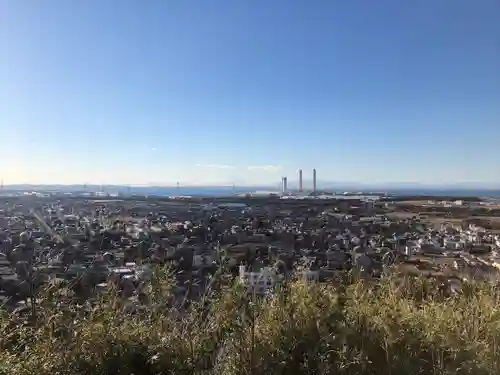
458,185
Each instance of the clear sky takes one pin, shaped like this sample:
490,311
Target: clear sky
223,91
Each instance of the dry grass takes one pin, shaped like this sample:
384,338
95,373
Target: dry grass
349,327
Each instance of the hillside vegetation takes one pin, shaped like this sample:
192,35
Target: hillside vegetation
391,326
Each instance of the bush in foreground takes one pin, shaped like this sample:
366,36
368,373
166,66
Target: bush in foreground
354,327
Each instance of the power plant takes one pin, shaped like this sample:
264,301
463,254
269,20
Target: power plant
300,186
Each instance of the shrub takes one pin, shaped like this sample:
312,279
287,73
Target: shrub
388,326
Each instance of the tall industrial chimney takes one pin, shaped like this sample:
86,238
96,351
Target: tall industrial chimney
314,181
300,180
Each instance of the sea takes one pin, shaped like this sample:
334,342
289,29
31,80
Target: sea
220,191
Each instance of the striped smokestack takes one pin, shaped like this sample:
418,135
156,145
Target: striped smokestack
300,180
285,185
314,181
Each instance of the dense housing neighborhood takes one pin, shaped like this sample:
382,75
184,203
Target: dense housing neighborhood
256,241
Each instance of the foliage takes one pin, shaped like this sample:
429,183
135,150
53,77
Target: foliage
390,326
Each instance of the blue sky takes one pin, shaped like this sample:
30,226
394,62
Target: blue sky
223,91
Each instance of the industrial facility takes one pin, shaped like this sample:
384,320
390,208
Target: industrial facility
300,191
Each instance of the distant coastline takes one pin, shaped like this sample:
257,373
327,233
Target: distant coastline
230,190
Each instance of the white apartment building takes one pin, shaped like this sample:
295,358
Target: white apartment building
259,281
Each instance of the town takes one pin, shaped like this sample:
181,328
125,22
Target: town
257,241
